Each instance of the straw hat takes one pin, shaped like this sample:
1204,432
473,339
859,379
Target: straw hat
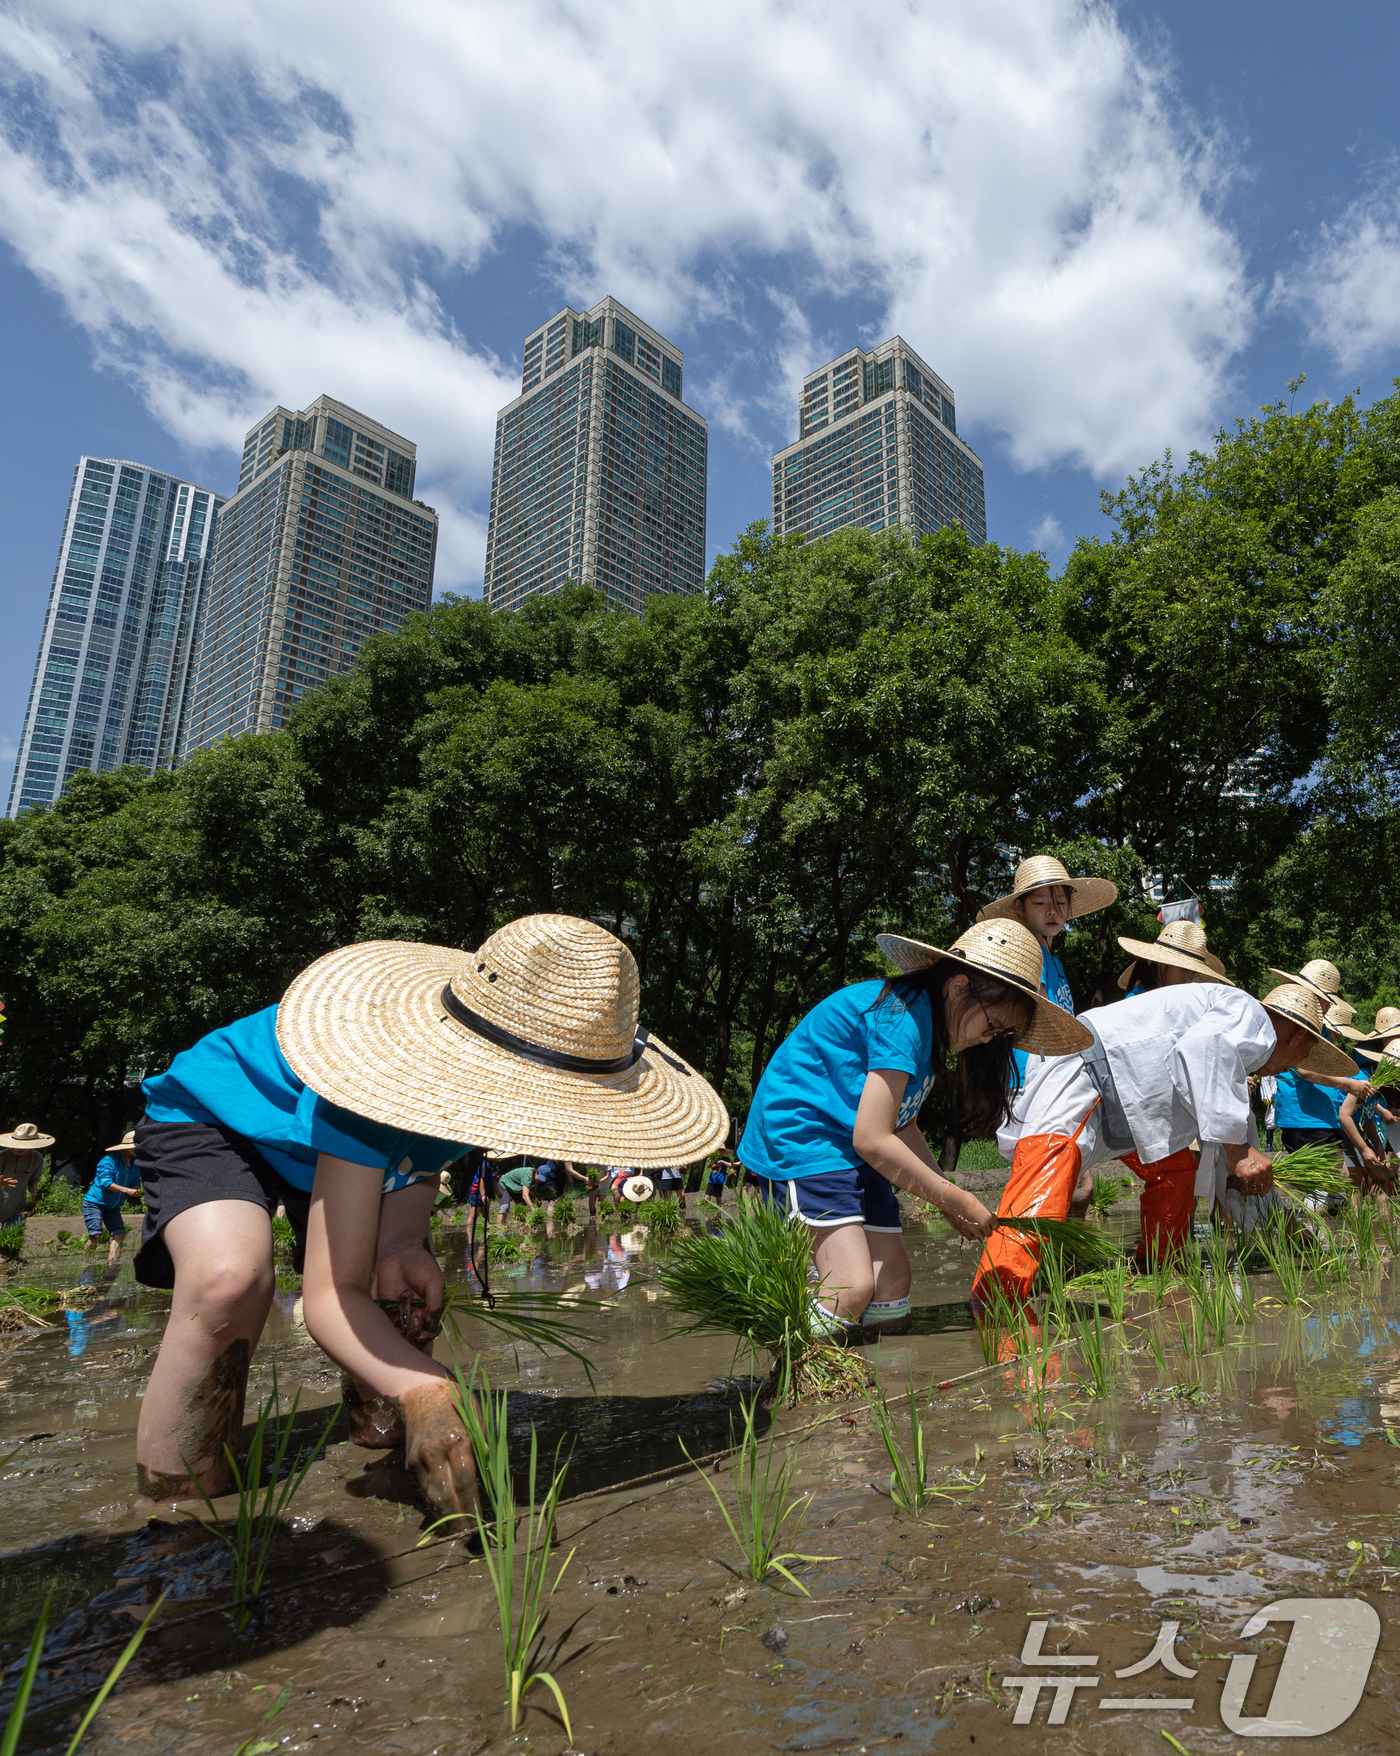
127,1143
1180,945
26,1138
636,1189
1087,895
1386,1027
531,1042
1300,1005
1338,1019
1006,950
1322,977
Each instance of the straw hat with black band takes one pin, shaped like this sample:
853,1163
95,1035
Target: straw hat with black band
25,1137
532,1042
1338,1017
1322,977
127,1143
1294,1004
1180,945
1086,895
1386,1028
1006,950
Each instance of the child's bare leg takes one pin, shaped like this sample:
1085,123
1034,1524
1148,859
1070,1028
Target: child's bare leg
193,1405
842,1256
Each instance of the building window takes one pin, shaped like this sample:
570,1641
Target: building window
624,341
879,377
339,438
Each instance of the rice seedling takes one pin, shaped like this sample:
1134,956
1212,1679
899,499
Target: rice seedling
1312,1170
762,1508
256,1526
566,1213
516,1543
662,1217
750,1279
1218,1256
1097,1353
1051,1280
609,1210
1276,1244
998,1319
531,1319
1360,1224
537,1219
19,1707
12,1241
1076,1242
1037,1348
1110,1284
1385,1075
908,1461
500,1248
284,1237
1108,1190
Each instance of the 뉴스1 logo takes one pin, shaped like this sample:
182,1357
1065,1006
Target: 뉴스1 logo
1325,1666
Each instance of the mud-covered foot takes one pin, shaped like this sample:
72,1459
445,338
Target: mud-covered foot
153,1484
437,1452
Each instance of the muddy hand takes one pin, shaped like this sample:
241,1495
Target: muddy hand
375,1421
415,1322
437,1451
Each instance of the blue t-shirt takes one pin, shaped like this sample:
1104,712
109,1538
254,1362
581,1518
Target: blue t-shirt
238,1077
803,1117
1299,1103
112,1168
1052,974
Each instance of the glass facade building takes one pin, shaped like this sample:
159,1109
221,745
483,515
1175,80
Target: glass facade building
111,683
600,467
322,547
878,445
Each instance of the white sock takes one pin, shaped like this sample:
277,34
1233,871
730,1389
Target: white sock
885,1310
826,1322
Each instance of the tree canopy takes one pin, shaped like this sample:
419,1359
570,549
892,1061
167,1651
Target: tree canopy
835,738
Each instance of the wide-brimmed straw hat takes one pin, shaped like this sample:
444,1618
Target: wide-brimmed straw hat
25,1137
637,1189
1322,977
1386,1027
1180,945
1006,950
1338,1017
1300,1005
532,1042
1087,895
127,1143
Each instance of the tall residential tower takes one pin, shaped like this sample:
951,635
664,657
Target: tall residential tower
322,546
111,680
877,445
600,467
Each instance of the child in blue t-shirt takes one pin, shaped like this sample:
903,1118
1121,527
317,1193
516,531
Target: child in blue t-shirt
112,1181
833,1132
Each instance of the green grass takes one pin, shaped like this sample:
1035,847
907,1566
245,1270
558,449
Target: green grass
750,1280
256,1526
981,1155
55,1195
761,1505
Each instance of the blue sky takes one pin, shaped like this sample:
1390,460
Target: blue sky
1110,228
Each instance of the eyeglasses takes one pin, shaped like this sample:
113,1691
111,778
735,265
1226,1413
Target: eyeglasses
998,1030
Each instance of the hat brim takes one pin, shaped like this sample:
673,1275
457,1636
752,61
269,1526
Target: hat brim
365,1028
121,1146
638,1189
1324,1057
9,1143
1153,951
1087,897
1052,1030
1380,1036
1285,975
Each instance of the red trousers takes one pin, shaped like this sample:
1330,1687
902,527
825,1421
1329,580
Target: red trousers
1043,1175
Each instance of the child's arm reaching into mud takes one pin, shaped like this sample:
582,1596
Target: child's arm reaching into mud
343,1262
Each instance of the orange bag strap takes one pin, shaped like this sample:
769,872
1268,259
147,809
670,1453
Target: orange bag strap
1089,1112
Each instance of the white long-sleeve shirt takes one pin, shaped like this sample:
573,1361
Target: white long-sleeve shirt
1180,1059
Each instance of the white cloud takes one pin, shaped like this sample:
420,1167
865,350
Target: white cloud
254,201
1047,533
1348,283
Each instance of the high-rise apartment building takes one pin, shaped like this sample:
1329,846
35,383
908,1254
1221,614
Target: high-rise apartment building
600,467
111,682
322,546
877,445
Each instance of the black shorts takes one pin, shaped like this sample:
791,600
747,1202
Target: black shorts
1293,1138
185,1164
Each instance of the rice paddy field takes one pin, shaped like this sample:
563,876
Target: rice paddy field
1131,1477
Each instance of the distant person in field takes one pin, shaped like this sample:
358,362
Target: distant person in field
112,1182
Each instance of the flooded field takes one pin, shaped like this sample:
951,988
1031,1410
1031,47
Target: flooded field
1071,1537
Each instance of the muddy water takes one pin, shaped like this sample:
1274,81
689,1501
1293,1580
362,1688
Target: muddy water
1260,1472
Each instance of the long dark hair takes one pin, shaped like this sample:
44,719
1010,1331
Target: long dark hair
986,1078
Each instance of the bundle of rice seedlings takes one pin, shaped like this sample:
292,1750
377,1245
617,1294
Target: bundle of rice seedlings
1079,1245
750,1279
565,1212
1107,1190
1312,1170
662,1218
1385,1075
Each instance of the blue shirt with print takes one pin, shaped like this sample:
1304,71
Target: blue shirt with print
238,1077
1056,983
803,1119
112,1168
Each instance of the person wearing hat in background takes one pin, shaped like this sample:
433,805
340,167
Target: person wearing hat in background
1178,954
832,1132
1044,899
344,1102
21,1166
1307,1106
112,1181
1166,1068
